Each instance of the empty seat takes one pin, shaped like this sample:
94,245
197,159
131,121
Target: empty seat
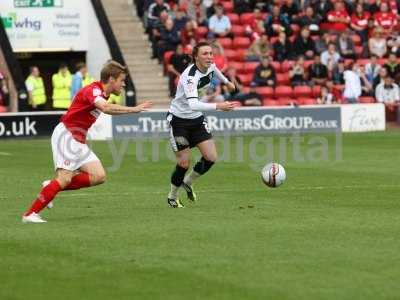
366,100
226,43
238,30
302,91
265,91
249,67
283,91
282,79
246,79
241,42
234,18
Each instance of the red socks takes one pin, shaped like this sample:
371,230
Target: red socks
79,181
46,195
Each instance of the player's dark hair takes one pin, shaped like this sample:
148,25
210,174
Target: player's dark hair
80,66
111,69
197,48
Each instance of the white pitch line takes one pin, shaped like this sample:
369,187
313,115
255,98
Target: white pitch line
5,153
316,188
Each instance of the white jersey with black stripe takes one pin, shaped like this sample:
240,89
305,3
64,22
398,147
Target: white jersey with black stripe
193,85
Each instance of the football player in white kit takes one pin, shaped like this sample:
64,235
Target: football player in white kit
188,128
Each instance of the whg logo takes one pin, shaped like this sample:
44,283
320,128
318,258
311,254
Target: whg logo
11,21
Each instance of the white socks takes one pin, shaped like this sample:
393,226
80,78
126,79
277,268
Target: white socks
173,193
192,176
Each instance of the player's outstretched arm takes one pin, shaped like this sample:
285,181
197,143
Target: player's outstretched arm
225,106
116,109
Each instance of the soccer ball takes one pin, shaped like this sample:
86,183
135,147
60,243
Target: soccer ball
273,174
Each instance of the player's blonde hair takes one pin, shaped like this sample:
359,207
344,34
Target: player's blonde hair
111,69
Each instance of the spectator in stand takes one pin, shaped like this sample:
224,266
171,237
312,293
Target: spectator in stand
298,73
264,74
219,24
318,72
322,9
180,20
283,48
212,9
359,22
188,34
322,43
383,73
366,85
372,68
291,10
330,57
385,19
393,67
219,57
309,20
258,49
36,91
4,91
243,6
338,73
304,44
326,96
352,81
387,91
393,42
178,63
196,11
158,27
277,22
377,44
154,13
247,99
338,18
169,39
345,45
62,83
256,28
80,79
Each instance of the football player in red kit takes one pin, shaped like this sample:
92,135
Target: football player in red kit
75,163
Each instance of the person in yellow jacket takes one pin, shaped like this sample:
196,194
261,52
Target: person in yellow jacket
36,91
62,88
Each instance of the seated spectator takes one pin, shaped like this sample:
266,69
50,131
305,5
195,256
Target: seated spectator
322,43
282,48
188,34
387,91
338,73
338,18
298,73
264,74
372,68
393,67
352,84
158,27
256,28
304,44
309,20
212,9
247,99
377,44
322,9
359,22
318,72
383,73
259,48
366,85
4,91
393,42
385,19
180,21
326,96
243,6
178,63
345,45
169,39
277,22
154,13
219,24
291,10
219,57
330,57
196,11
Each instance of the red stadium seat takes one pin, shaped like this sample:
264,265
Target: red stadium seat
236,103
238,30
234,18
238,66
270,102
287,65
303,91
359,50
249,67
226,43
241,43
308,63
246,18
282,78
201,32
363,61
366,100
246,79
316,91
3,109
287,101
283,91
308,101
276,65
167,59
265,92
228,7
230,54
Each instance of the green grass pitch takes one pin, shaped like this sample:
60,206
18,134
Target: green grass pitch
332,231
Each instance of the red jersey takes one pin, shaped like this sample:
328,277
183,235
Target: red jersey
83,113
385,20
361,21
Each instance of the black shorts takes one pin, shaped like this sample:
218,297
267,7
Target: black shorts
185,133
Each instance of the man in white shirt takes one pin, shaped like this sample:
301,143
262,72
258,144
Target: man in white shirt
352,84
387,91
330,57
219,24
